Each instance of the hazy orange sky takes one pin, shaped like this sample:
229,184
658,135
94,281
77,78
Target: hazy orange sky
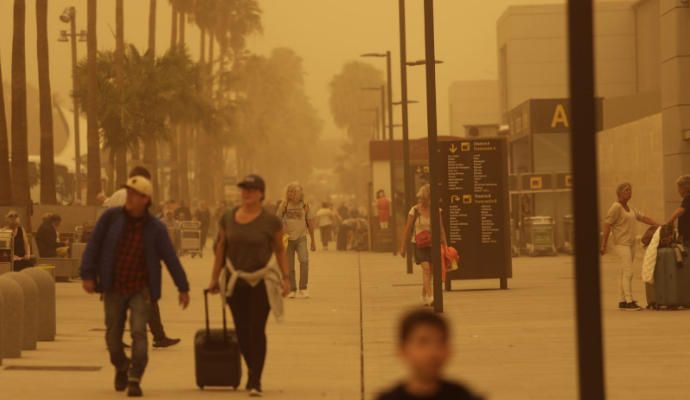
326,33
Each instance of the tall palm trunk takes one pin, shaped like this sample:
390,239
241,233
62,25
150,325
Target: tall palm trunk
5,188
48,195
93,158
20,147
150,142
174,178
121,149
184,131
203,161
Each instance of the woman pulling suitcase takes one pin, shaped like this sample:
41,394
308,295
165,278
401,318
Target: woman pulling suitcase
248,238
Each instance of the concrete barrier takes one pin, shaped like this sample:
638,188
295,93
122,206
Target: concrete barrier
13,317
30,290
2,321
46,303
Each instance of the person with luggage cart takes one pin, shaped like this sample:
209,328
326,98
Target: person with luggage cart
621,221
123,262
248,238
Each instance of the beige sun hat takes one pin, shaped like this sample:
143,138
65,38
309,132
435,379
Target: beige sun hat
141,185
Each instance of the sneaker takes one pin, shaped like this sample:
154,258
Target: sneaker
255,392
134,389
632,306
165,342
304,294
292,295
120,381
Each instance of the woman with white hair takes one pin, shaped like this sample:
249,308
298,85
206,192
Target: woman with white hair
682,213
298,221
621,220
418,231
21,256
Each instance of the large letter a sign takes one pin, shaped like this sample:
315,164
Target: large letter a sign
560,116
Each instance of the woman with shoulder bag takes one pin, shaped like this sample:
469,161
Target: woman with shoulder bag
248,238
418,230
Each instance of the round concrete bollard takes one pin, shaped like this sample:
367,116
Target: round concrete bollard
30,334
46,303
13,317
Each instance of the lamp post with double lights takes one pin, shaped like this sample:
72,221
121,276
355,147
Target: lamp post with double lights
389,79
69,16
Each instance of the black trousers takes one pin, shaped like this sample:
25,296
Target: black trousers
250,309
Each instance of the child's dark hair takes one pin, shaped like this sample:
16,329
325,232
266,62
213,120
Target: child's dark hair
417,318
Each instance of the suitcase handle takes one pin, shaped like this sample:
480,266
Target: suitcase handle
208,321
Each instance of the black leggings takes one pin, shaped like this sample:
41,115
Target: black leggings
250,309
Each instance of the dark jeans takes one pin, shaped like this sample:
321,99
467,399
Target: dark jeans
250,309
116,307
155,323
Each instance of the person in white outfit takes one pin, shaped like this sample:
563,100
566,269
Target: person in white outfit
621,221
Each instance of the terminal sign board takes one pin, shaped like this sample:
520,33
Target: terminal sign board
474,199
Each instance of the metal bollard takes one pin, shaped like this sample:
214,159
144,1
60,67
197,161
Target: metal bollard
30,290
46,303
12,328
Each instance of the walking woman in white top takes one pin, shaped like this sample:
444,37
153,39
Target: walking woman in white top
621,221
418,230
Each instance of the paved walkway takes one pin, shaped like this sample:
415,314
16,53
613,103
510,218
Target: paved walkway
510,345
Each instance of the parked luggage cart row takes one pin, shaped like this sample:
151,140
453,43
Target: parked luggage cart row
186,236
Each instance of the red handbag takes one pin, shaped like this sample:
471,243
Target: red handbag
423,239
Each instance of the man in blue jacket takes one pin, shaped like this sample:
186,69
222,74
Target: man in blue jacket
123,262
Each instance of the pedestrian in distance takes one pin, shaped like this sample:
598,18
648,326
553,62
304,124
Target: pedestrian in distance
47,238
249,236
21,255
383,209
621,221
326,218
424,346
418,231
123,262
203,216
682,213
298,222
119,200
183,213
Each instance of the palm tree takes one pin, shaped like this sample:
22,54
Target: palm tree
121,150
20,148
150,141
93,140
5,189
48,195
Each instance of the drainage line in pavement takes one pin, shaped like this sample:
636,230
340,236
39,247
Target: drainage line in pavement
361,329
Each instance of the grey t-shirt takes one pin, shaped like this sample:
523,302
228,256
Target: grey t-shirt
295,217
249,247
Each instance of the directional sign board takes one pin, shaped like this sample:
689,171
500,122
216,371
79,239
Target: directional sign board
474,199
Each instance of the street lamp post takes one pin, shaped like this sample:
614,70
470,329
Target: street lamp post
434,157
69,16
391,144
409,184
381,89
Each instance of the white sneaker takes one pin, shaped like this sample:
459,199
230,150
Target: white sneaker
304,294
292,295
255,393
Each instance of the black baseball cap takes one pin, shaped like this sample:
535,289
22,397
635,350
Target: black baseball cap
253,182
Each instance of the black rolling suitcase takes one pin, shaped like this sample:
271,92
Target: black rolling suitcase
217,355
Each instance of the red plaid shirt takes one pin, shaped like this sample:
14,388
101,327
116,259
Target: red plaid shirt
130,264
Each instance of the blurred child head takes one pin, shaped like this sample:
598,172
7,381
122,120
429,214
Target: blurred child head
424,344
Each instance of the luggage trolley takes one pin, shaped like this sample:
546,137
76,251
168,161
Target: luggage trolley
190,238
